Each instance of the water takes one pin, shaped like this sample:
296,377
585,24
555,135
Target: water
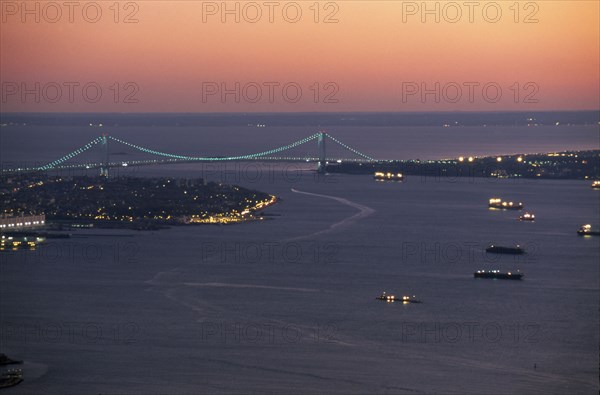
287,305
382,136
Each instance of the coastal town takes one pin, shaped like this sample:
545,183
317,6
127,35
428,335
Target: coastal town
125,202
579,165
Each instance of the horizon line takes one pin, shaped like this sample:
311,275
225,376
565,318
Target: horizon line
296,112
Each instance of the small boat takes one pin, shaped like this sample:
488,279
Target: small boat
11,378
596,184
392,298
505,250
16,243
497,274
381,176
586,230
527,217
497,203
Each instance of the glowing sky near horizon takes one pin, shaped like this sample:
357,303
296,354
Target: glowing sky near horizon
373,56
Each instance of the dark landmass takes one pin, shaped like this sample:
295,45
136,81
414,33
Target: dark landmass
562,165
127,202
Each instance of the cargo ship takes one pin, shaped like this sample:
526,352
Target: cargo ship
500,204
381,176
505,250
527,217
596,184
586,230
497,274
392,298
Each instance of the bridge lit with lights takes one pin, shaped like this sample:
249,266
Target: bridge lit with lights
164,158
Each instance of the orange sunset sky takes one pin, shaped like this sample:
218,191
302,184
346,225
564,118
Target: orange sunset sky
174,52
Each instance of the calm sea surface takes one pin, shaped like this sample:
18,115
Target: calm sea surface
287,305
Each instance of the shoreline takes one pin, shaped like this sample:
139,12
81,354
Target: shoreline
566,165
126,203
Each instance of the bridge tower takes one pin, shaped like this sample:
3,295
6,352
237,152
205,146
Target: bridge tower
322,153
105,167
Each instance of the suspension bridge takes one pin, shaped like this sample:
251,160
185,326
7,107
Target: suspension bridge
164,158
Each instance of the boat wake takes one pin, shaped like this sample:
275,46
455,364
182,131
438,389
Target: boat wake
363,212
170,283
